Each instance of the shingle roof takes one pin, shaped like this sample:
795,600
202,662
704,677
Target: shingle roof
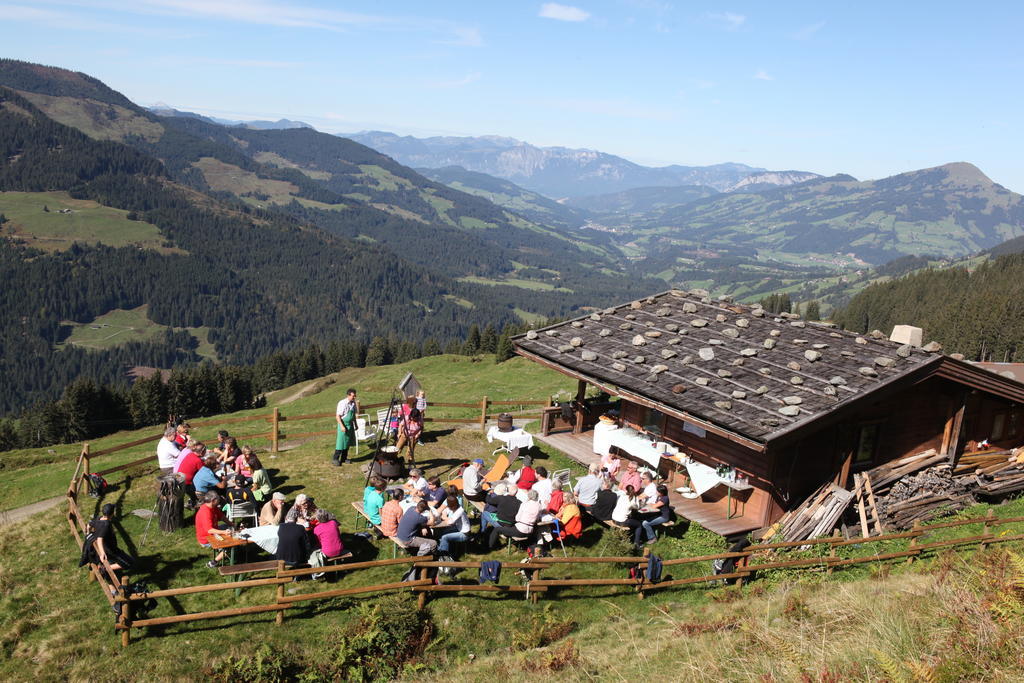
736,366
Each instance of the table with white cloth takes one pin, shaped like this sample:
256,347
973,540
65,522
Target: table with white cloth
517,438
704,478
603,436
633,442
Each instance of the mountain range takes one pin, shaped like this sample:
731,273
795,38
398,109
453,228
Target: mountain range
162,109
560,172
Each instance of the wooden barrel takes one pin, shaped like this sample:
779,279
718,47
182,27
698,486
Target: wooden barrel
170,502
505,422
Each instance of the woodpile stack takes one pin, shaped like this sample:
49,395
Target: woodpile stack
891,497
817,515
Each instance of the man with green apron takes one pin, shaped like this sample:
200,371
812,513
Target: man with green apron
346,416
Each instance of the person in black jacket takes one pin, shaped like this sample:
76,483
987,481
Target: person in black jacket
101,543
605,503
293,545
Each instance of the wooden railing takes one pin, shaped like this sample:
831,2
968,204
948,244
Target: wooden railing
753,559
275,419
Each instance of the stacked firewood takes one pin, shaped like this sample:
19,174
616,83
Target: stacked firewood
817,515
994,473
893,496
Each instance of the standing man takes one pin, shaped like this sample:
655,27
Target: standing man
167,451
346,417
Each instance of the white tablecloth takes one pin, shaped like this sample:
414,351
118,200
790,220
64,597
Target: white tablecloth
264,536
636,444
603,436
704,478
517,438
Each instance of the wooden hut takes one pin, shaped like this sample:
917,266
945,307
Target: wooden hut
772,401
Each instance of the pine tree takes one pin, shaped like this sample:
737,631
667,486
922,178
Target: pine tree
504,349
453,347
378,353
489,340
431,347
813,310
472,345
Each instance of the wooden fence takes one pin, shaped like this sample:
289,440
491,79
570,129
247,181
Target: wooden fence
275,419
751,560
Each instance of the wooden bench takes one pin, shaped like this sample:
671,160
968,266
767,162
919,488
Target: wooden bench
249,568
359,509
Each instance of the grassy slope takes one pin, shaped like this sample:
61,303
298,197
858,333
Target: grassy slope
120,326
52,620
88,222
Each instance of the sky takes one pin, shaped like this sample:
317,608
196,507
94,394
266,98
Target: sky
869,88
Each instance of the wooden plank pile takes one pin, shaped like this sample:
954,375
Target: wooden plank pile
817,515
996,473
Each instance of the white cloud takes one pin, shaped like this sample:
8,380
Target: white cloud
730,20
763,75
76,22
807,31
552,10
468,36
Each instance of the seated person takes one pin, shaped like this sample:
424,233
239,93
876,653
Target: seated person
101,543
631,477
625,503
302,512
588,486
237,492
391,513
373,499
414,529
293,545
659,512
543,485
210,521
649,490
506,508
557,500
416,481
435,494
226,457
222,439
188,466
527,476
205,480
273,511
570,518
473,485
327,534
261,486
611,463
243,463
605,504
489,517
455,525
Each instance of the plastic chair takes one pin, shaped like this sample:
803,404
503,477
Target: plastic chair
243,509
365,430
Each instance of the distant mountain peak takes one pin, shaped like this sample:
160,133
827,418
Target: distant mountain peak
964,173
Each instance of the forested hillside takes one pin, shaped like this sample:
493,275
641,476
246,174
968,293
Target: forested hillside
979,314
259,281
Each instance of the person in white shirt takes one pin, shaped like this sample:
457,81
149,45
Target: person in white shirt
588,486
543,486
472,481
626,503
167,451
416,481
346,418
456,525
650,490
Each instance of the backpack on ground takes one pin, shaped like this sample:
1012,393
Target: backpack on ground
97,485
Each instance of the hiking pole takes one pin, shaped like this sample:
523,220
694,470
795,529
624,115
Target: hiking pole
148,522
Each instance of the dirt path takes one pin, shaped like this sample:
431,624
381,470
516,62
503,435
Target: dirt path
18,514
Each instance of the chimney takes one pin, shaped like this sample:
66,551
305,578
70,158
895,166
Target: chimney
907,334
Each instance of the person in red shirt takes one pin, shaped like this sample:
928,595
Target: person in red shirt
187,466
527,475
210,522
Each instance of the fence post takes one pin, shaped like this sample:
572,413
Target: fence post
483,414
274,430
279,619
85,458
125,619
421,601
913,541
989,516
832,549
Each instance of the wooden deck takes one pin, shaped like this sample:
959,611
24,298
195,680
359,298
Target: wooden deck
710,515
